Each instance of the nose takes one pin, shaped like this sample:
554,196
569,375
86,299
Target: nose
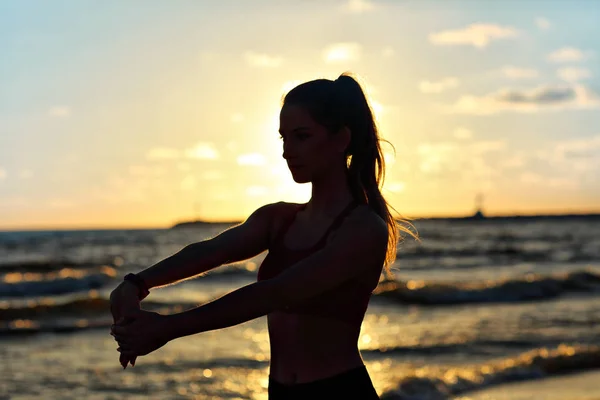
286,152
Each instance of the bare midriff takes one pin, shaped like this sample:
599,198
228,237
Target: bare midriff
305,348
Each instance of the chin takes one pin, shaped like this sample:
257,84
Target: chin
300,178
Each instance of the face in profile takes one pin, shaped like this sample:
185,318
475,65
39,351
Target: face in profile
308,148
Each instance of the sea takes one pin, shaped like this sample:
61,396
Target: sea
476,306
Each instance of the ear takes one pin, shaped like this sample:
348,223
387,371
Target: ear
343,137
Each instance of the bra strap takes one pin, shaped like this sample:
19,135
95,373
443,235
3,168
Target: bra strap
337,222
286,225
334,225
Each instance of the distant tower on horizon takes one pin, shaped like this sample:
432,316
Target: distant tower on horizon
479,207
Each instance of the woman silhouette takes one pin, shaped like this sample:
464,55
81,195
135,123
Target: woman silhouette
325,257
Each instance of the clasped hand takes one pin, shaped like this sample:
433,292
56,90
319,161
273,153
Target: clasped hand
138,332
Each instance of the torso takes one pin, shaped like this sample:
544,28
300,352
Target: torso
305,348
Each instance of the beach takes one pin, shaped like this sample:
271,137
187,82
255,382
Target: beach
477,310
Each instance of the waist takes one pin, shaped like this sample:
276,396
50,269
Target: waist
307,374
303,350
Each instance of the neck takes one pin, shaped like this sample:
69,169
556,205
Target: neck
330,194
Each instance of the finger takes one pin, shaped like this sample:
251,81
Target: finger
131,314
124,348
115,313
123,359
122,340
128,353
120,330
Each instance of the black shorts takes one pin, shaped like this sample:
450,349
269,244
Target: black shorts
354,384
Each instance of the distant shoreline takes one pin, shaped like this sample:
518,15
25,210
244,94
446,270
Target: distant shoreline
512,217
198,223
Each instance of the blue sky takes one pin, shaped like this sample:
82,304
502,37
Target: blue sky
141,113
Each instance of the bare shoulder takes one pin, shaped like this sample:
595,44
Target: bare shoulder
281,211
364,217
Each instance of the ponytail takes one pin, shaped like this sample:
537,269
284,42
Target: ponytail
342,103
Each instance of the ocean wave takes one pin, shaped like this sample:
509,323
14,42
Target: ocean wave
475,347
438,383
90,305
530,287
86,312
499,253
65,280
42,266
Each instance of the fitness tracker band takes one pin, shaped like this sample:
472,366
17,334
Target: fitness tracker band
143,291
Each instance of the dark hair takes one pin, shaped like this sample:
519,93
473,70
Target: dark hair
342,103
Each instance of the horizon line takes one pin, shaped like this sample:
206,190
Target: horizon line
34,228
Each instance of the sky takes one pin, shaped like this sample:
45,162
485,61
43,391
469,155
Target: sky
133,114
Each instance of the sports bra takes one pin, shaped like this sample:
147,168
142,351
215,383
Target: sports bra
347,302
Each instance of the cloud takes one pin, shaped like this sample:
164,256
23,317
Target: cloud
542,95
531,178
162,153
462,133
262,60
202,151
340,52
477,35
543,98
581,154
251,159
568,54
573,74
3,174
59,111
434,155
542,23
519,73
439,86
359,6
458,161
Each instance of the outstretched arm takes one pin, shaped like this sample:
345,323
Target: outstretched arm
359,245
238,243
235,244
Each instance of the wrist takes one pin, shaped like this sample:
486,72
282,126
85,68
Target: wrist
136,281
131,286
